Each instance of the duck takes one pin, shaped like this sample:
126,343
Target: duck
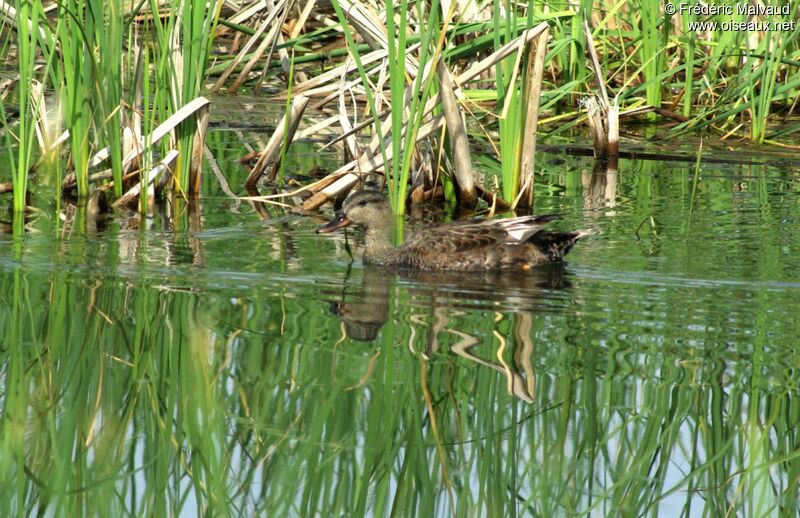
518,243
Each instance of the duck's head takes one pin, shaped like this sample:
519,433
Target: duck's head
363,209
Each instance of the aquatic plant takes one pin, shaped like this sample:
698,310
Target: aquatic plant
180,60
27,16
87,61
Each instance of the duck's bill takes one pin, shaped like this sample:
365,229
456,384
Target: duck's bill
340,221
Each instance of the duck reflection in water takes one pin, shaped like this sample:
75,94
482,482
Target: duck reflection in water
364,310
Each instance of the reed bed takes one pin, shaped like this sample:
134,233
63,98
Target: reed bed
380,77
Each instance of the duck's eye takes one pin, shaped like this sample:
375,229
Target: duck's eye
362,202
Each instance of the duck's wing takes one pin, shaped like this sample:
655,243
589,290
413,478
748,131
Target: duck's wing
520,230
463,236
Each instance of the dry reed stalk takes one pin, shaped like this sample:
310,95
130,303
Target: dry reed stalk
368,163
331,92
299,104
598,131
295,116
199,143
301,20
466,76
316,186
39,112
283,55
372,29
612,118
271,39
304,190
322,84
163,129
535,75
371,160
315,129
492,198
474,71
242,15
5,88
43,126
604,127
150,177
333,74
351,144
456,130
603,118
595,61
223,182
268,23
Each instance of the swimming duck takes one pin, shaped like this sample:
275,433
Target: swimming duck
474,245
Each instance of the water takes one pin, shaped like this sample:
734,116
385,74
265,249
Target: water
219,364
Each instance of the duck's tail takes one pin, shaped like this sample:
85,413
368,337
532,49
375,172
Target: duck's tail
556,244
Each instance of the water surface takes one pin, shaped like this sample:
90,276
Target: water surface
226,363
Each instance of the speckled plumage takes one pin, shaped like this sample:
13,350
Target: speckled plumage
474,245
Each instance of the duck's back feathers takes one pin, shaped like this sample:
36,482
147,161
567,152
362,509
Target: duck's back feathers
465,236
508,244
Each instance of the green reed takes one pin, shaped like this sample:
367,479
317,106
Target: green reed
354,53
76,75
149,108
654,38
180,60
421,87
690,50
28,17
765,76
86,58
108,34
396,45
512,85
405,123
509,100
